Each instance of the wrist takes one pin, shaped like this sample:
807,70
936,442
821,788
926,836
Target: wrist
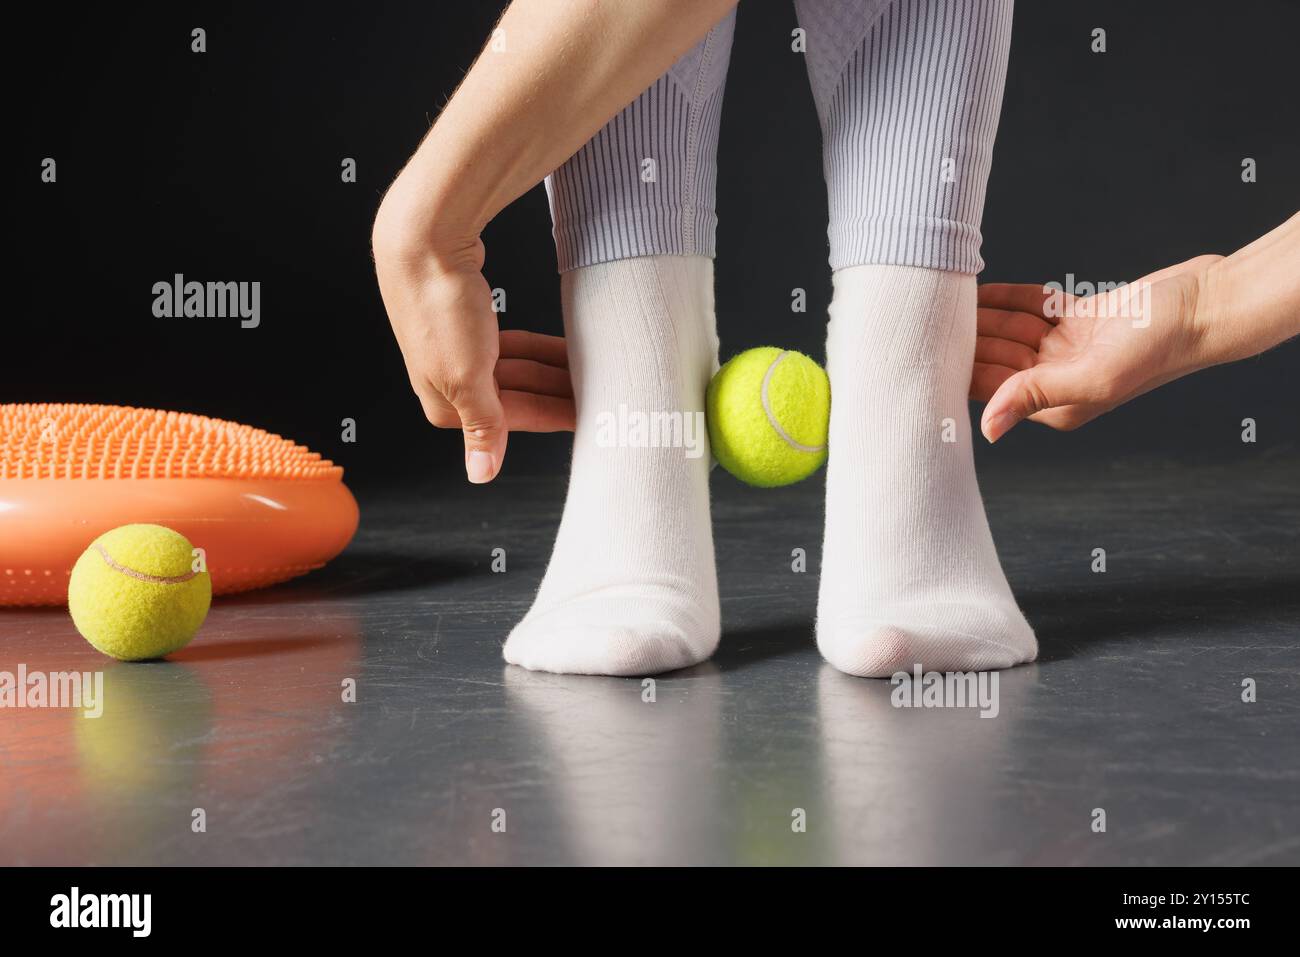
1205,315
414,226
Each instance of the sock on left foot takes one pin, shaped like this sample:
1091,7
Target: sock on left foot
909,572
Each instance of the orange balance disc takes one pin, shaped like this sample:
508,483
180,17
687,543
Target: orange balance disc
262,508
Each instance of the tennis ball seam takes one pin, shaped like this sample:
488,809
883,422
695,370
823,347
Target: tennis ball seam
771,416
112,563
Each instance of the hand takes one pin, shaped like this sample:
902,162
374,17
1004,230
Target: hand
513,119
1062,361
468,373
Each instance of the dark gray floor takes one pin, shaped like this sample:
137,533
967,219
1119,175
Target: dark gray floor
1134,706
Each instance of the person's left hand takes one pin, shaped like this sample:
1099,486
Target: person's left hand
1062,361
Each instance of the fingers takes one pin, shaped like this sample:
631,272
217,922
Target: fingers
535,388
1015,326
521,344
986,378
528,390
1003,352
1028,392
483,422
1007,342
531,412
525,375
1031,298
533,397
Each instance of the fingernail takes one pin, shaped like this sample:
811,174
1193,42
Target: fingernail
479,467
998,425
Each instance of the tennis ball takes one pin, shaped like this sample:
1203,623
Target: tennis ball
134,593
769,411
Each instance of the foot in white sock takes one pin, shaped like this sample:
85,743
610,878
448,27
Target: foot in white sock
909,572
632,588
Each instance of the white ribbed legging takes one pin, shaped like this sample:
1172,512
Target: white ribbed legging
908,93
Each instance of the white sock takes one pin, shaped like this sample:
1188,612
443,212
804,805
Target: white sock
632,588
909,573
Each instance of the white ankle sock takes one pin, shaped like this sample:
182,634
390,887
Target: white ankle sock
631,588
909,573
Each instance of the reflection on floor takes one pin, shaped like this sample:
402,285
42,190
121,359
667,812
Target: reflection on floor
764,755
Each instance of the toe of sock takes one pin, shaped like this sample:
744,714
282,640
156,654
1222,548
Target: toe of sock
647,648
952,639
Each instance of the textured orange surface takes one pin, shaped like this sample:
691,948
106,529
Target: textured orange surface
263,508
115,442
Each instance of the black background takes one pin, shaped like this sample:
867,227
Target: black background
187,901
226,166
367,902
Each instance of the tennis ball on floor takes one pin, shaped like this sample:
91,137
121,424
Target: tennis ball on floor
769,411
134,593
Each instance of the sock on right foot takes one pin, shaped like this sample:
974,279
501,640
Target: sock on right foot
631,588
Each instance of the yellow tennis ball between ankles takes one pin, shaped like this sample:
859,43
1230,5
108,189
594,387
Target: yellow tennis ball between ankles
769,414
134,594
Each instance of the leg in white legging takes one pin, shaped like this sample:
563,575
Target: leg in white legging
631,588
908,93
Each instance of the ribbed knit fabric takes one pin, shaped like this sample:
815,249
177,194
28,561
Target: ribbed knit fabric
909,572
646,183
908,93
631,588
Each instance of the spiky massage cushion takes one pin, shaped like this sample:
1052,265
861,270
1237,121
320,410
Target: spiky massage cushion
262,508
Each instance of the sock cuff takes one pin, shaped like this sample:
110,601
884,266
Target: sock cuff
632,232
927,242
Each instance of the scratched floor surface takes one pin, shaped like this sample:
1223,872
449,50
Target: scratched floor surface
1134,707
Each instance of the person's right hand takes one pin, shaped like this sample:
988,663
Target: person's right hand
468,373
1062,361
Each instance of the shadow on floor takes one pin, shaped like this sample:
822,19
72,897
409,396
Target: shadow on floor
749,645
1067,622
364,573
227,650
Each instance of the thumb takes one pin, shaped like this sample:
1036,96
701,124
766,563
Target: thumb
1025,393
483,422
